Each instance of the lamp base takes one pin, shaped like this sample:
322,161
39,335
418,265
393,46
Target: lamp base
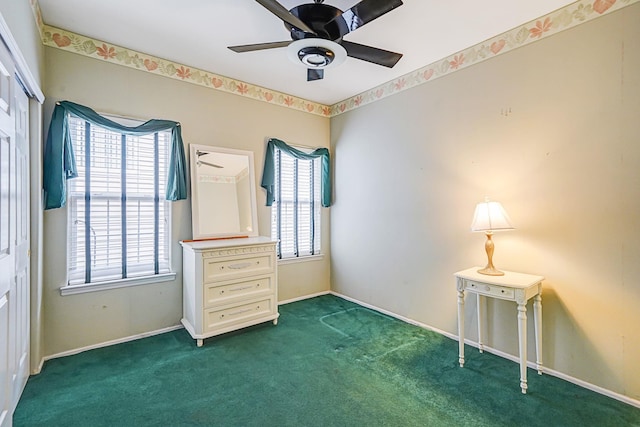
491,271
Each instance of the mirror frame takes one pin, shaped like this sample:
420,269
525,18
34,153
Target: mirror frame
195,196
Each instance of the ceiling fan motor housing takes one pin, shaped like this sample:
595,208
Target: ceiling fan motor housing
319,17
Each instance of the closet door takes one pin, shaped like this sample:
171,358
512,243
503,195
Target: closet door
8,303
20,294
5,399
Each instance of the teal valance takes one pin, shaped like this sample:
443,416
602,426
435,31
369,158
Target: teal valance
268,174
60,164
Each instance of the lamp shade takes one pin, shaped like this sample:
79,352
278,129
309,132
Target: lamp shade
490,216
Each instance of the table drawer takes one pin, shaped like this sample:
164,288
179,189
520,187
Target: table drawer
224,269
218,318
222,293
491,290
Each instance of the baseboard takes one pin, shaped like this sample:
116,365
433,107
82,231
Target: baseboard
621,397
38,368
289,301
397,316
626,399
109,343
143,335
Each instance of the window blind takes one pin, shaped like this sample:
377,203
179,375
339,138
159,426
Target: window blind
118,218
296,208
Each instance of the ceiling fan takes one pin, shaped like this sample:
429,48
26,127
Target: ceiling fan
317,32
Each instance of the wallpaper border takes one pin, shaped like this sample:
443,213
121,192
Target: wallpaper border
37,14
96,49
562,19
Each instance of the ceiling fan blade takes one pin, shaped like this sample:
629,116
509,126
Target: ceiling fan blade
371,54
259,46
281,12
314,74
362,13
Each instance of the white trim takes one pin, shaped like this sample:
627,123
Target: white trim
612,394
112,342
294,260
304,297
397,316
20,63
38,368
622,398
601,390
115,284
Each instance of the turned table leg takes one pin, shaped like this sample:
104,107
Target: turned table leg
537,314
522,337
482,308
461,327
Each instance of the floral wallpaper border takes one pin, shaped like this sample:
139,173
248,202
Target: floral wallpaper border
37,14
66,40
570,16
560,20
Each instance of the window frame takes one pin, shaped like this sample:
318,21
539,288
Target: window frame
161,275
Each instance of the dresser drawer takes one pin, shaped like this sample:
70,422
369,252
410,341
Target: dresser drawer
223,293
491,290
218,318
229,268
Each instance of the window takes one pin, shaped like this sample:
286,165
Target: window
295,213
118,217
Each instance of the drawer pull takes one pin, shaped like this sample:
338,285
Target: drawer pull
240,266
235,313
241,288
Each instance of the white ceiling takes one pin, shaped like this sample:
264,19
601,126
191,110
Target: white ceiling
196,33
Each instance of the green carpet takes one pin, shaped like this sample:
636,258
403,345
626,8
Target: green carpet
329,362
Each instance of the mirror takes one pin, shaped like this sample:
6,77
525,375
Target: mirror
223,193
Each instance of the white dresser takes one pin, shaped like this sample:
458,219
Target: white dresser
228,285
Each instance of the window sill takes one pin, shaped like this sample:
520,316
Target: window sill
296,260
114,284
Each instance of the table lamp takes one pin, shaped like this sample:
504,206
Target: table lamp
489,217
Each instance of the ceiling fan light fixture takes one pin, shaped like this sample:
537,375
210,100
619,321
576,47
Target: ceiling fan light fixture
316,57
316,53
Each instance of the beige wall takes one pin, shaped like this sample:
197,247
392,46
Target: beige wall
408,171
565,163
208,117
22,24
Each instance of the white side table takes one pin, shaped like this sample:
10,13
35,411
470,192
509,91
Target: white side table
516,287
